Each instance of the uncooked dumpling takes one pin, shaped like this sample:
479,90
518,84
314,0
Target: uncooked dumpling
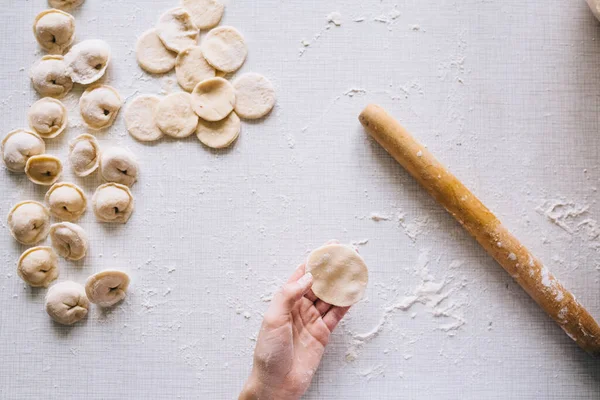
191,68
69,240
66,201
175,117
84,154
107,288
38,266
176,29
224,48
99,106
49,77
140,118
119,165
67,303
18,146
205,14
340,274
219,134
152,55
29,222
213,99
43,169
54,30
65,3
113,202
48,117
254,96
87,61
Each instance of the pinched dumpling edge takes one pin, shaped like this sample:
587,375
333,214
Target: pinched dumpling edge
94,142
72,186
126,214
44,233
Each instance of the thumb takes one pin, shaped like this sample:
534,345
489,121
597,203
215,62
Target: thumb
291,292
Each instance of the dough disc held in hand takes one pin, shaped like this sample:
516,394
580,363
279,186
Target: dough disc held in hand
191,68
84,155
152,55
99,106
224,48
49,77
220,134
176,29
254,96
107,288
69,240
54,30
18,146
43,169
87,61
340,274
66,302
113,202
213,99
29,222
66,201
205,14
175,117
140,118
119,165
38,266
48,117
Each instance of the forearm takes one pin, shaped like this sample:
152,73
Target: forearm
254,389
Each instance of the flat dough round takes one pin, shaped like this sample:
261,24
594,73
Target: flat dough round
69,240
191,68
254,96
176,29
113,202
18,146
29,222
49,77
87,61
174,115
140,118
206,14
43,169
220,134
84,155
107,288
152,55
213,99
66,302
224,48
48,117
119,165
340,274
99,106
38,266
65,4
54,30
66,201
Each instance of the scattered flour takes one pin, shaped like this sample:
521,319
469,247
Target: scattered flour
378,217
571,217
334,18
355,92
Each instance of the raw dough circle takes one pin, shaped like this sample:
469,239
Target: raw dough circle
87,61
49,77
254,96
119,165
152,55
43,169
29,222
220,134
139,118
66,201
54,30
18,146
65,3
174,115
224,48
176,29
107,288
48,117
113,202
38,266
84,154
69,240
340,274
206,14
67,303
99,106
191,68
213,99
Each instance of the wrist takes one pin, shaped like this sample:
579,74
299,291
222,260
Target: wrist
256,390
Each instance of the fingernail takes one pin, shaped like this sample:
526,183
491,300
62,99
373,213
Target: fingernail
305,280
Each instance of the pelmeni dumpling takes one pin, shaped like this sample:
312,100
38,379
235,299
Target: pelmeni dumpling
43,169
66,201
38,266
176,29
107,288
54,30
18,146
119,165
86,62
48,117
113,202
69,240
84,155
99,106
65,3
29,222
67,303
49,77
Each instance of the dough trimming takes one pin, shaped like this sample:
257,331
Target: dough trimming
113,202
213,99
29,222
54,30
175,116
69,240
224,48
48,117
107,288
43,169
191,68
119,165
152,55
66,201
18,146
176,29
84,154
66,302
254,96
87,61
219,134
140,118
99,106
49,77
38,266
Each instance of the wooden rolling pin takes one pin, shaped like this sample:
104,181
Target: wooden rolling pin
526,269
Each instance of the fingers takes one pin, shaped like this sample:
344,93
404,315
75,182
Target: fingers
322,307
310,295
290,293
334,316
300,270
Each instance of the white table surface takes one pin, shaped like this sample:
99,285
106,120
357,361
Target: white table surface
506,93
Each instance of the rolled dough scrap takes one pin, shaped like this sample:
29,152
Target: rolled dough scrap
224,48
191,68
254,96
43,169
87,61
152,55
107,288
84,155
205,14
139,118
340,274
49,77
66,302
69,240
54,30
48,117
38,266
213,99
220,134
65,3
119,165
113,202
176,29
99,106
29,222
175,117
66,201
18,146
